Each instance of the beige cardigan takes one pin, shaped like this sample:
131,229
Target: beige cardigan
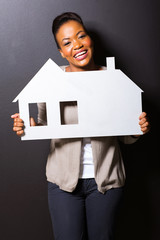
63,164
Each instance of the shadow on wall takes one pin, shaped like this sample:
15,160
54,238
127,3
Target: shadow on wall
138,218
100,50
140,211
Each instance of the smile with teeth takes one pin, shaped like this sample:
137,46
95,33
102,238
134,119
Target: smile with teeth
81,54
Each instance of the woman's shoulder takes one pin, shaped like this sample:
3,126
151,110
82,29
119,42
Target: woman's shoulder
103,68
63,67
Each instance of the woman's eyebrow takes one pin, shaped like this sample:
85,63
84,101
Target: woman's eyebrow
80,32
76,35
65,39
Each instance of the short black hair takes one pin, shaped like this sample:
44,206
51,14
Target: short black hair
63,18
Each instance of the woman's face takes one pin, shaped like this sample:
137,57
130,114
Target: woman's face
75,44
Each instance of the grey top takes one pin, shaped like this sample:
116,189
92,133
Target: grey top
63,164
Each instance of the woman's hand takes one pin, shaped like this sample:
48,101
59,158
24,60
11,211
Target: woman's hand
144,123
18,125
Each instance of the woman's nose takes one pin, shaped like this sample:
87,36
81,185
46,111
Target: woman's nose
77,44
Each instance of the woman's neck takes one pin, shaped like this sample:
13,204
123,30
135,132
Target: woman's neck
92,66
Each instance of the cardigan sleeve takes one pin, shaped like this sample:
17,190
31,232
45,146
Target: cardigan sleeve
42,116
128,139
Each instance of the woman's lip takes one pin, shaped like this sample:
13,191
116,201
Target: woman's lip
81,57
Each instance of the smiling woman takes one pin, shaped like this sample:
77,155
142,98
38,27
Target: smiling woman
77,48
74,42
85,176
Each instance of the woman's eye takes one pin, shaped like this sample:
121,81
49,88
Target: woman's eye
82,36
67,43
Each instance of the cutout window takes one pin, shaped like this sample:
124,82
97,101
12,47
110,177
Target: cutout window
33,112
68,112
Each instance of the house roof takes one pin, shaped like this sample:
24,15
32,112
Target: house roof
52,76
46,73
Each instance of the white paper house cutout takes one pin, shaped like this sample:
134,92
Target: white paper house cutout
109,103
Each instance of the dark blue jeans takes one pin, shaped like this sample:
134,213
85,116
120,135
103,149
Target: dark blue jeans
84,214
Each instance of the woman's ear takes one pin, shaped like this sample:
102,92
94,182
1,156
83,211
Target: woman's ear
61,53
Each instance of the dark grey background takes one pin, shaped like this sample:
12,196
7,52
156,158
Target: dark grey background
126,29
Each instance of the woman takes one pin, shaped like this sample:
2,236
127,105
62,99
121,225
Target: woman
85,176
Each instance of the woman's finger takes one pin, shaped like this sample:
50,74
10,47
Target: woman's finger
20,133
18,120
18,124
143,115
15,129
16,115
145,124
